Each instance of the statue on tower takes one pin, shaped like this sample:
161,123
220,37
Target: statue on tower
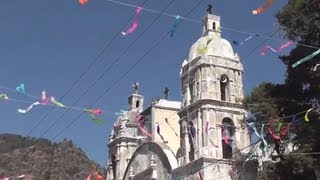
166,92
135,87
209,10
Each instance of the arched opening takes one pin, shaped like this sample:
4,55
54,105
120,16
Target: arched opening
227,133
114,166
137,104
224,81
214,26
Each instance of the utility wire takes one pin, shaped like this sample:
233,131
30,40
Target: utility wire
226,28
293,19
118,59
107,90
114,62
95,61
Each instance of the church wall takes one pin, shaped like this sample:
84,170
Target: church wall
212,172
171,136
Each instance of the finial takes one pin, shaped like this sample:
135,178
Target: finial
152,161
209,10
166,92
131,172
135,87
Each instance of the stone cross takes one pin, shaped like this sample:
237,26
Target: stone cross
135,87
166,92
209,10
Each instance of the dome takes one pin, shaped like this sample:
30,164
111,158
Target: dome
216,47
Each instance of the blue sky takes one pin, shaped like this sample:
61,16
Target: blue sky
49,44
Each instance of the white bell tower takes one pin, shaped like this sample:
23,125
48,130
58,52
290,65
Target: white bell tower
212,114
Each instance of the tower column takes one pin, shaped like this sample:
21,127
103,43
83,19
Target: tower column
185,143
199,134
118,161
219,153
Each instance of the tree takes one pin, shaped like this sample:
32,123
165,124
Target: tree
300,21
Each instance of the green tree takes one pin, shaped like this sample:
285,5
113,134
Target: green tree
300,21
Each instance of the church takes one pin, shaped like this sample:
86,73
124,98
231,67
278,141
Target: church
197,138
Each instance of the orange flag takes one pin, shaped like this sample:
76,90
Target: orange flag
83,2
263,7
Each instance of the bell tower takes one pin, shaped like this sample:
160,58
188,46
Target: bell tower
135,100
124,138
212,113
211,23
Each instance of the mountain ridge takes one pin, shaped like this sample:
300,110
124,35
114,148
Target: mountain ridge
42,159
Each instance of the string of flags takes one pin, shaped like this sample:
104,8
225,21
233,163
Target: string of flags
236,43
49,100
264,50
203,50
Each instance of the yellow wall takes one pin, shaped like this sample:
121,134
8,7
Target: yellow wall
165,130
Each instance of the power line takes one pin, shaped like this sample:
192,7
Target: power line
113,63
226,28
266,40
95,61
106,91
244,57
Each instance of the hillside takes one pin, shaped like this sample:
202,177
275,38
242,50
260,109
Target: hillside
42,159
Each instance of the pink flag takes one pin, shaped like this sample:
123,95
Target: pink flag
284,46
44,99
224,136
95,111
135,23
207,127
264,50
144,131
272,133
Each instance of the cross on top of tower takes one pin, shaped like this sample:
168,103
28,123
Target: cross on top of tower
135,87
209,10
166,92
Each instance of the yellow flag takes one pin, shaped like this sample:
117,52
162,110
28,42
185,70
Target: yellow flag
306,115
3,96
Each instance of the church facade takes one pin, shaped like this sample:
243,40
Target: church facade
196,138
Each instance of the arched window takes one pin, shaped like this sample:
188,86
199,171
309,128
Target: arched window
224,81
227,133
214,26
137,104
114,166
